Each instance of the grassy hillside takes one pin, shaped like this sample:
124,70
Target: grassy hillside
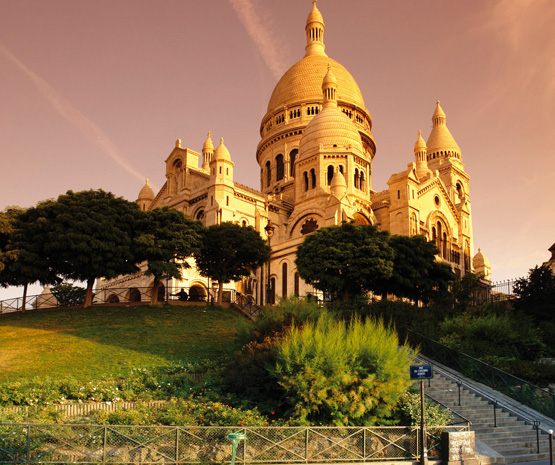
102,342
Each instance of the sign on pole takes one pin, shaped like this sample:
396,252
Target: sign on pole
421,372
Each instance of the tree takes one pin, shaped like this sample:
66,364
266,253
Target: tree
167,238
6,230
229,252
87,235
536,293
23,257
347,260
416,273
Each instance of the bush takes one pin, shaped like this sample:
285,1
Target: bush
492,338
189,412
340,374
410,407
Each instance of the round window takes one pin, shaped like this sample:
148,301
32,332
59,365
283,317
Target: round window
436,200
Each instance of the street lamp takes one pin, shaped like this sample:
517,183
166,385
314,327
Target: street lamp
269,228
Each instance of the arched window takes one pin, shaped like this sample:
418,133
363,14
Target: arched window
313,178
279,167
284,280
341,170
362,181
292,157
268,174
330,174
297,284
356,178
305,175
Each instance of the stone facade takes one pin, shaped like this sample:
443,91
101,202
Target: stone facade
315,156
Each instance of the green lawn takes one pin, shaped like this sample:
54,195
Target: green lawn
100,342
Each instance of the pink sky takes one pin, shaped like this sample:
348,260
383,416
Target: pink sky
95,92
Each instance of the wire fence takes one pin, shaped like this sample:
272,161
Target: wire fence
104,444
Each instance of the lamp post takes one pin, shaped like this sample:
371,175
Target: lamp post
269,228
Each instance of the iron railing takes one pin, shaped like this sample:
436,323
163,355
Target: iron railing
539,399
135,295
104,444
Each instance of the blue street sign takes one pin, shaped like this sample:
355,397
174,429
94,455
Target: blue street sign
421,372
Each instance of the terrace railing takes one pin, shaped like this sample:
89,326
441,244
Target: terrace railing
102,444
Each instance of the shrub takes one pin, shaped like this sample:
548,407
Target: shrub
410,407
336,373
189,412
492,338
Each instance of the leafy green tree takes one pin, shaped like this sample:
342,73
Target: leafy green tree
416,273
87,235
167,238
347,260
6,230
24,259
536,293
339,373
229,252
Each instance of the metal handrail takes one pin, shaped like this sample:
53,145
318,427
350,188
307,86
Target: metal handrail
477,370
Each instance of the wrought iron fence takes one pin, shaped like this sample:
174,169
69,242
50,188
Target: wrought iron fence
135,295
104,444
522,391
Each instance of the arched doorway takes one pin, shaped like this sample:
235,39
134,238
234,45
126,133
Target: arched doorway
134,295
197,293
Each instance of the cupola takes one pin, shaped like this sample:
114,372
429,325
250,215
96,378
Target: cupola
441,143
207,152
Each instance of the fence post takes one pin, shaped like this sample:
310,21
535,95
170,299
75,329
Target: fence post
104,446
28,442
537,426
494,414
177,444
550,447
459,386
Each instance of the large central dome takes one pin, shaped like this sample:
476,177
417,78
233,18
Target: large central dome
303,82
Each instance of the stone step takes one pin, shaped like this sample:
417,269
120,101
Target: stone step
526,457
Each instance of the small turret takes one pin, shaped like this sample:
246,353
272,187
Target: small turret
146,196
315,32
207,152
420,154
441,144
329,88
338,186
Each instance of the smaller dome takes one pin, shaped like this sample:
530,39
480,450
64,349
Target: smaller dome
208,145
480,260
221,153
146,192
420,145
338,186
329,79
440,138
315,16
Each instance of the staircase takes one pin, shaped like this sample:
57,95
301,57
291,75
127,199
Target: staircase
500,435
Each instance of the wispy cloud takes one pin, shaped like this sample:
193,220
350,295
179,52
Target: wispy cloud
526,29
261,32
77,119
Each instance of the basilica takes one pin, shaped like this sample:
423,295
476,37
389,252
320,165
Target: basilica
315,155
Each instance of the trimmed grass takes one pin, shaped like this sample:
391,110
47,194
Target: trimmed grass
100,342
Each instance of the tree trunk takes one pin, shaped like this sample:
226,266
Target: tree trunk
89,294
220,292
24,297
155,291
